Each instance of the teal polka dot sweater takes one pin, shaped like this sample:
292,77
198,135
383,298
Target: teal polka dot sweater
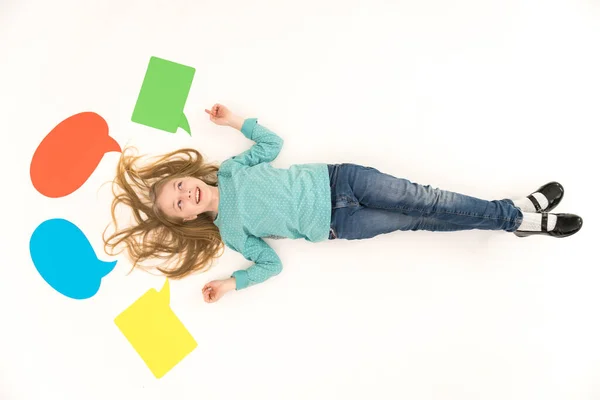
259,201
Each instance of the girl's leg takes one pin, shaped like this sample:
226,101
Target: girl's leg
374,189
355,221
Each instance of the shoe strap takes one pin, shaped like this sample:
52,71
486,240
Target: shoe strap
544,222
536,204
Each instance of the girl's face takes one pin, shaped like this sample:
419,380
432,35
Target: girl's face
184,198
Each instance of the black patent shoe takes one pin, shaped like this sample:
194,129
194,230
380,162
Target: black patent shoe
553,191
566,225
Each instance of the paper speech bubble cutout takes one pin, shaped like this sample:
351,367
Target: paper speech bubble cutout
155,332
70,153
66,260
163,95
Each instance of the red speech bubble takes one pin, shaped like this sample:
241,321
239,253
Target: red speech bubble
70,153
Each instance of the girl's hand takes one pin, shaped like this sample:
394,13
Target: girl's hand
219,114
214,290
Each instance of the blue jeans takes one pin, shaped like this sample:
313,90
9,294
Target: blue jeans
366,202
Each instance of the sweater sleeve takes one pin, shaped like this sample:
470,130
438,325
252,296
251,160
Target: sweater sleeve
266,263
267,146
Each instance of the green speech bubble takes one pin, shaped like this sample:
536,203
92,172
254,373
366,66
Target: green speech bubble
163,95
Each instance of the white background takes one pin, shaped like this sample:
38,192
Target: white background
487,98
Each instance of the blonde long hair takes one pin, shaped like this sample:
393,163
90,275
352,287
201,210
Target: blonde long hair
190,246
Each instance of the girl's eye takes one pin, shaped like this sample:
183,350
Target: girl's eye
179,204
179,185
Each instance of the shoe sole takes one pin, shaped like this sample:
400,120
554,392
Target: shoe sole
523,234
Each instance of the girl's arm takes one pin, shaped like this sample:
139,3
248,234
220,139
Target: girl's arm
235,121
266,263
267,147
267,144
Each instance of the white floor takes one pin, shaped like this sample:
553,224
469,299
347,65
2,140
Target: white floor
488,98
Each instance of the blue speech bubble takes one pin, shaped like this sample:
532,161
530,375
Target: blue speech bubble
66,260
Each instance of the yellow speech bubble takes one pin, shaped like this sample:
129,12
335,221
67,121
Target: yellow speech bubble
155,332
